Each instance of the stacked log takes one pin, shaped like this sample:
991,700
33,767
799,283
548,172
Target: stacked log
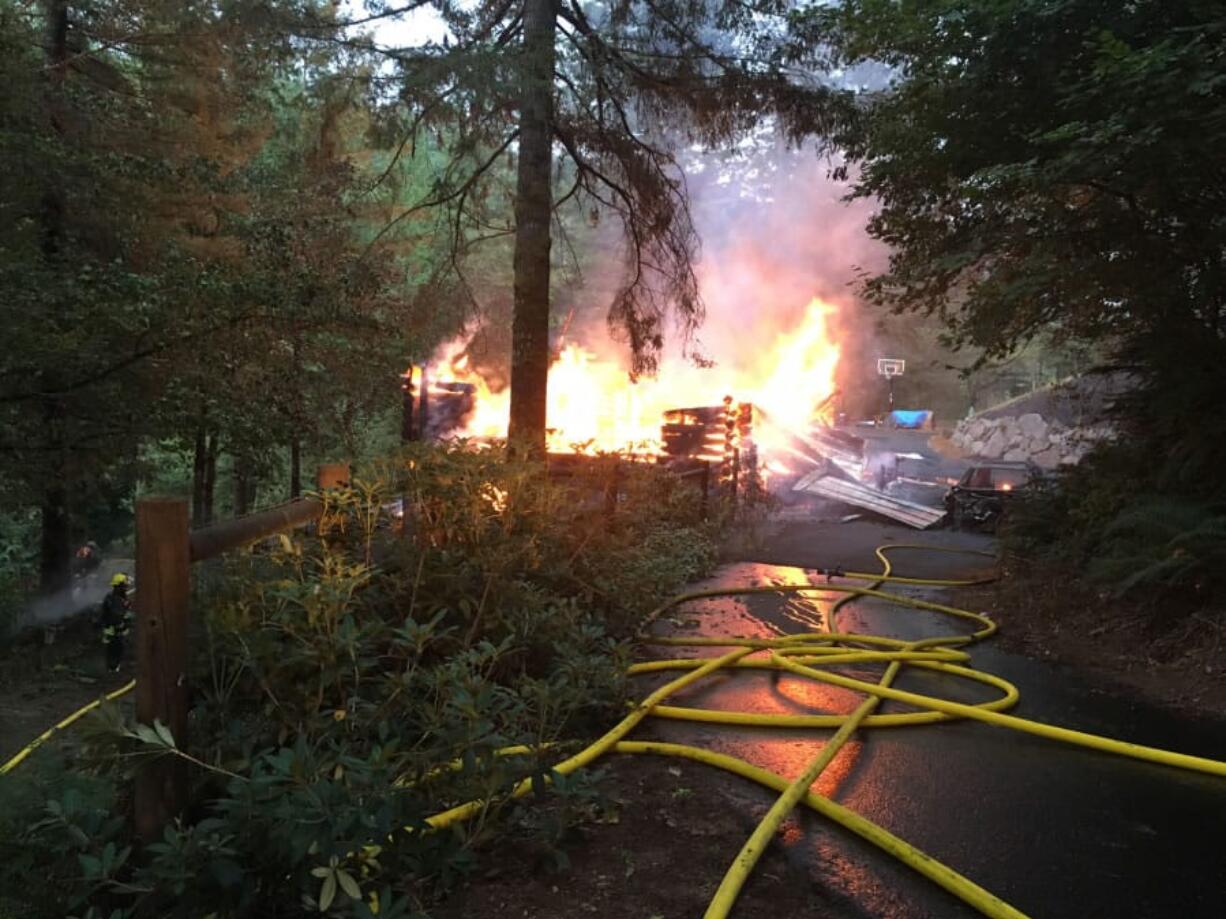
695,432
721,435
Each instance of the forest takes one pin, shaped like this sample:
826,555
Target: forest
228,228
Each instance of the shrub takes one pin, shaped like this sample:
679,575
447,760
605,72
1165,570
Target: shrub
355,682
1163,542
1147,510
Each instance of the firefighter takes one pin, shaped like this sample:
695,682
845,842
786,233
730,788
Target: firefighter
116,621
87,560
84,566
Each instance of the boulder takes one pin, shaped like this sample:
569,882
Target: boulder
995,445
1032,424
1048,459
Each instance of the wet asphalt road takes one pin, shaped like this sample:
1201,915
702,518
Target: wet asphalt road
1054,830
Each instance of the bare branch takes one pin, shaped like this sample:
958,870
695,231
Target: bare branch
444,198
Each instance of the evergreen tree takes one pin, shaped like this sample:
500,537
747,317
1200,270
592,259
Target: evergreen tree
591,98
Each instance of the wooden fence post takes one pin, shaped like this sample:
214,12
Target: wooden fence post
162,586
332,475
407,431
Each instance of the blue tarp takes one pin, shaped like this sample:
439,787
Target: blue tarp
911,418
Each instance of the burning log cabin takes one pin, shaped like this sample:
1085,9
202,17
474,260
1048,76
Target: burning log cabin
434,410
718,434
444,408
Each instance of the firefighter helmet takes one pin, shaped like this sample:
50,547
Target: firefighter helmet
118,579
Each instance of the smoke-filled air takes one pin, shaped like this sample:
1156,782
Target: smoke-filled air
780,251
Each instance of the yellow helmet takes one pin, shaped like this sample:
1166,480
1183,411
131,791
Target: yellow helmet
118,579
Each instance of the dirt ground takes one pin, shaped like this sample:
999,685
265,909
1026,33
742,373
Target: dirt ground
1176,659
660,857
41,682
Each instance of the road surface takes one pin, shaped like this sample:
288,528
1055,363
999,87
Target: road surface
1054,830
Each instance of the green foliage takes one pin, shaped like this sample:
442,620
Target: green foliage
185,256
1159,542
353,683
18,535
1041,169
1098,519
1041,166
1146,509
57,823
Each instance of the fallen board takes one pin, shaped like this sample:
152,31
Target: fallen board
820,483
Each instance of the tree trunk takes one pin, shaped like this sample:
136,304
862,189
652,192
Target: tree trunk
295,468
55,544
199,464
209,491
241,473
55,548
296,419
533,206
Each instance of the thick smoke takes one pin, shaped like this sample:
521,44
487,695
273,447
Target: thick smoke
776,231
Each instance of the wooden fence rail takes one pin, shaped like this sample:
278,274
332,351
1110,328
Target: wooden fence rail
165,549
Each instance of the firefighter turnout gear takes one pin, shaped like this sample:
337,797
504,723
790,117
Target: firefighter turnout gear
116,621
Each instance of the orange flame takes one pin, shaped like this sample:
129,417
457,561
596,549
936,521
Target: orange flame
594,406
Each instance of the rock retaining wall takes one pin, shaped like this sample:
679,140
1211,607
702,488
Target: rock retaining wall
1027,438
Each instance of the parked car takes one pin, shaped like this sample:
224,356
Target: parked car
981,497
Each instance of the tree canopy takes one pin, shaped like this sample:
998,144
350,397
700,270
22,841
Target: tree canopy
1043,166
592,102
1052,169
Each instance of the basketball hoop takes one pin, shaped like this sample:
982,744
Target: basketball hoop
891,367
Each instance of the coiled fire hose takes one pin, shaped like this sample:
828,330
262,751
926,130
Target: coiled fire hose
805,655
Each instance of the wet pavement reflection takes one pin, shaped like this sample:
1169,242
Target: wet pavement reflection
1054,830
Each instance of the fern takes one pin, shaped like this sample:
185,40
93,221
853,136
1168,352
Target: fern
1162,542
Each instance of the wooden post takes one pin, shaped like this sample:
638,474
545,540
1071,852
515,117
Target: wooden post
333,475
423,406
407,431
162,584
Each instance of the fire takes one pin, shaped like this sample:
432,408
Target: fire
593,405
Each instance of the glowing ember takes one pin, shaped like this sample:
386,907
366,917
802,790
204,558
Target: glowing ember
594,406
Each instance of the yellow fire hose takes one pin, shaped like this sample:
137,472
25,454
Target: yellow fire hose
46,735
803,655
